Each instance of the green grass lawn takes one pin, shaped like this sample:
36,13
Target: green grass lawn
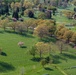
16,59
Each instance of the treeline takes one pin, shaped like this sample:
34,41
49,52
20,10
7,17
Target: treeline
41,28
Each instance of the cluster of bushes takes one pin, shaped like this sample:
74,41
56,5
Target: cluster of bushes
22,8
68,14
63,33
4,9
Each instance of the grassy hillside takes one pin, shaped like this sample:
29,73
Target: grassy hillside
15,60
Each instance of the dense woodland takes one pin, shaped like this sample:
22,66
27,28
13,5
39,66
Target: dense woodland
45,32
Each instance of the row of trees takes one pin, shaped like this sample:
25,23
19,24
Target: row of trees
66,34
41,28
25,7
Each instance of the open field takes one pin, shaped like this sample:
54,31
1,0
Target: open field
15,59
48,33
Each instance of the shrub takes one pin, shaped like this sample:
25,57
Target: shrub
29,13
21,44
41,15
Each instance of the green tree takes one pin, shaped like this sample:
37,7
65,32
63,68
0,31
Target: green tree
43,48
33,51
43,62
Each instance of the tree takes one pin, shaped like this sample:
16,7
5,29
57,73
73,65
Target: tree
43,62
41,15
30,14
43,48
6,9
61,32
36,2
74,2
53,9
40,48
33,51
27,24
21,27
52,29
73,39
4,23
61,46
12,6
67,36
48,14
15,15
41,31
13,25
68,14
27,4
17,4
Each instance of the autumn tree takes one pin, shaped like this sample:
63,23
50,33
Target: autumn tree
73,39
67,36
68,14
36,2
27,4
4,23
52,29
42,15
21,27
27,24
41,31
12,6
17,4
60,30
60,33
12,25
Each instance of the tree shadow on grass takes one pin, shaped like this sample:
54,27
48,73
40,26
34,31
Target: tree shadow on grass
2,32
5,67
49,69
3,54
23,34
48,39
56,59
37,59
68,55
23,47
11,32
27,35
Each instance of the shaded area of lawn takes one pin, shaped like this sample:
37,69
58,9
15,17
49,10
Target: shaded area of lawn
64,56
48,39
5,67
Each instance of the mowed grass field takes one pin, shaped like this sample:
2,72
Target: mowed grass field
16,60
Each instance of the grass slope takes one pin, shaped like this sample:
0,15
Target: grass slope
16,58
